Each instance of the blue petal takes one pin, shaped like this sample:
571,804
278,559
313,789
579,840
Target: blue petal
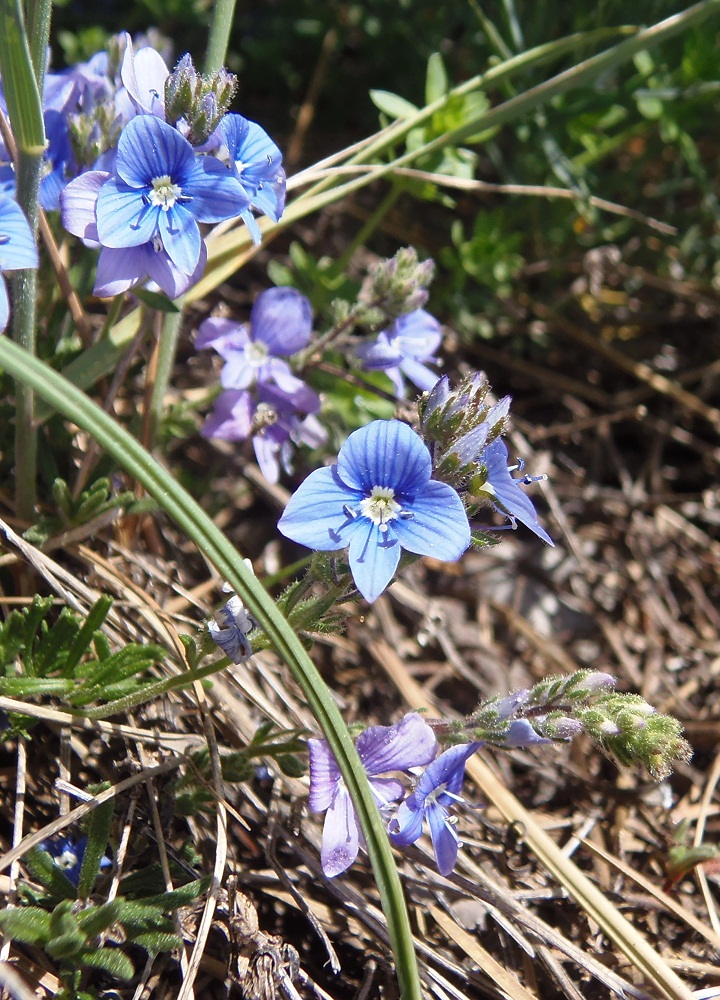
384,453
17,246
448,770
341,837
123,218
149,148
143,75
314,516
508,492
409,743
324,775
420,375
118,269
181,238
170,278
406,828
416,334
383,353
282,319
216,195
231,418
439,526
444,839
224,335
373,558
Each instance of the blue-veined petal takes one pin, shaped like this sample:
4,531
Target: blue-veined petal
439,526
315,513
123,218
373,557
181,238
118,269
171,279
406,828
143,75
231,418
384,453
215,194
324,775
409,743
382,353
282,319
419,374
149,148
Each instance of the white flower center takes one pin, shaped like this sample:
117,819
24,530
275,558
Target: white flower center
256,353
164,193
380,507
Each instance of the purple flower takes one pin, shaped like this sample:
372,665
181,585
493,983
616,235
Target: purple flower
17,248
68,855
437,789
257,163
280,324
377,500
505,492
409,743
399,350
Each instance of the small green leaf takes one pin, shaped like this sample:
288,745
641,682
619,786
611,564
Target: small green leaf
29,924
97,919
98,832
19,83
44,870
110,960
436,80
156,942
392,104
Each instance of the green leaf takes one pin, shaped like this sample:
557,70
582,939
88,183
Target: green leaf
392,104
81,643
156,942
29,924
436,80
110,960
98,832
97,919
44,870
19,83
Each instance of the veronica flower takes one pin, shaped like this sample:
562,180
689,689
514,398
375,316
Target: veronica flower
161,190
17,248
257,163
400,350
409,743
230,628
143,74
437,790
377,500
506,492
68,855
280,324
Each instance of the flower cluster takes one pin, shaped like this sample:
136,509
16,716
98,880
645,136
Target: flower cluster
17,248
139,157
261,398
378,500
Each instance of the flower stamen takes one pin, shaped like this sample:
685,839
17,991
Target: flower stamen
164,193
381,507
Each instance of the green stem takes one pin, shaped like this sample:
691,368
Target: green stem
169,337
24,295
222,19
219,551
38,30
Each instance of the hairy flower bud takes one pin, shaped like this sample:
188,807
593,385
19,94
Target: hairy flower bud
398,285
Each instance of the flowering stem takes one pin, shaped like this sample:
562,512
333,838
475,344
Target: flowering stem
222,19
68,400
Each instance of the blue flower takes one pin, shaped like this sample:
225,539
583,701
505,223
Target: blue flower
17,248
257,163
161,191
68,855
437,789
401,349
505,492
409,743
377,500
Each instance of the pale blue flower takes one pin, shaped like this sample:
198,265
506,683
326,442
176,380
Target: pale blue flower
378,500
382,749
257,163
402,348
438,788
505,492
